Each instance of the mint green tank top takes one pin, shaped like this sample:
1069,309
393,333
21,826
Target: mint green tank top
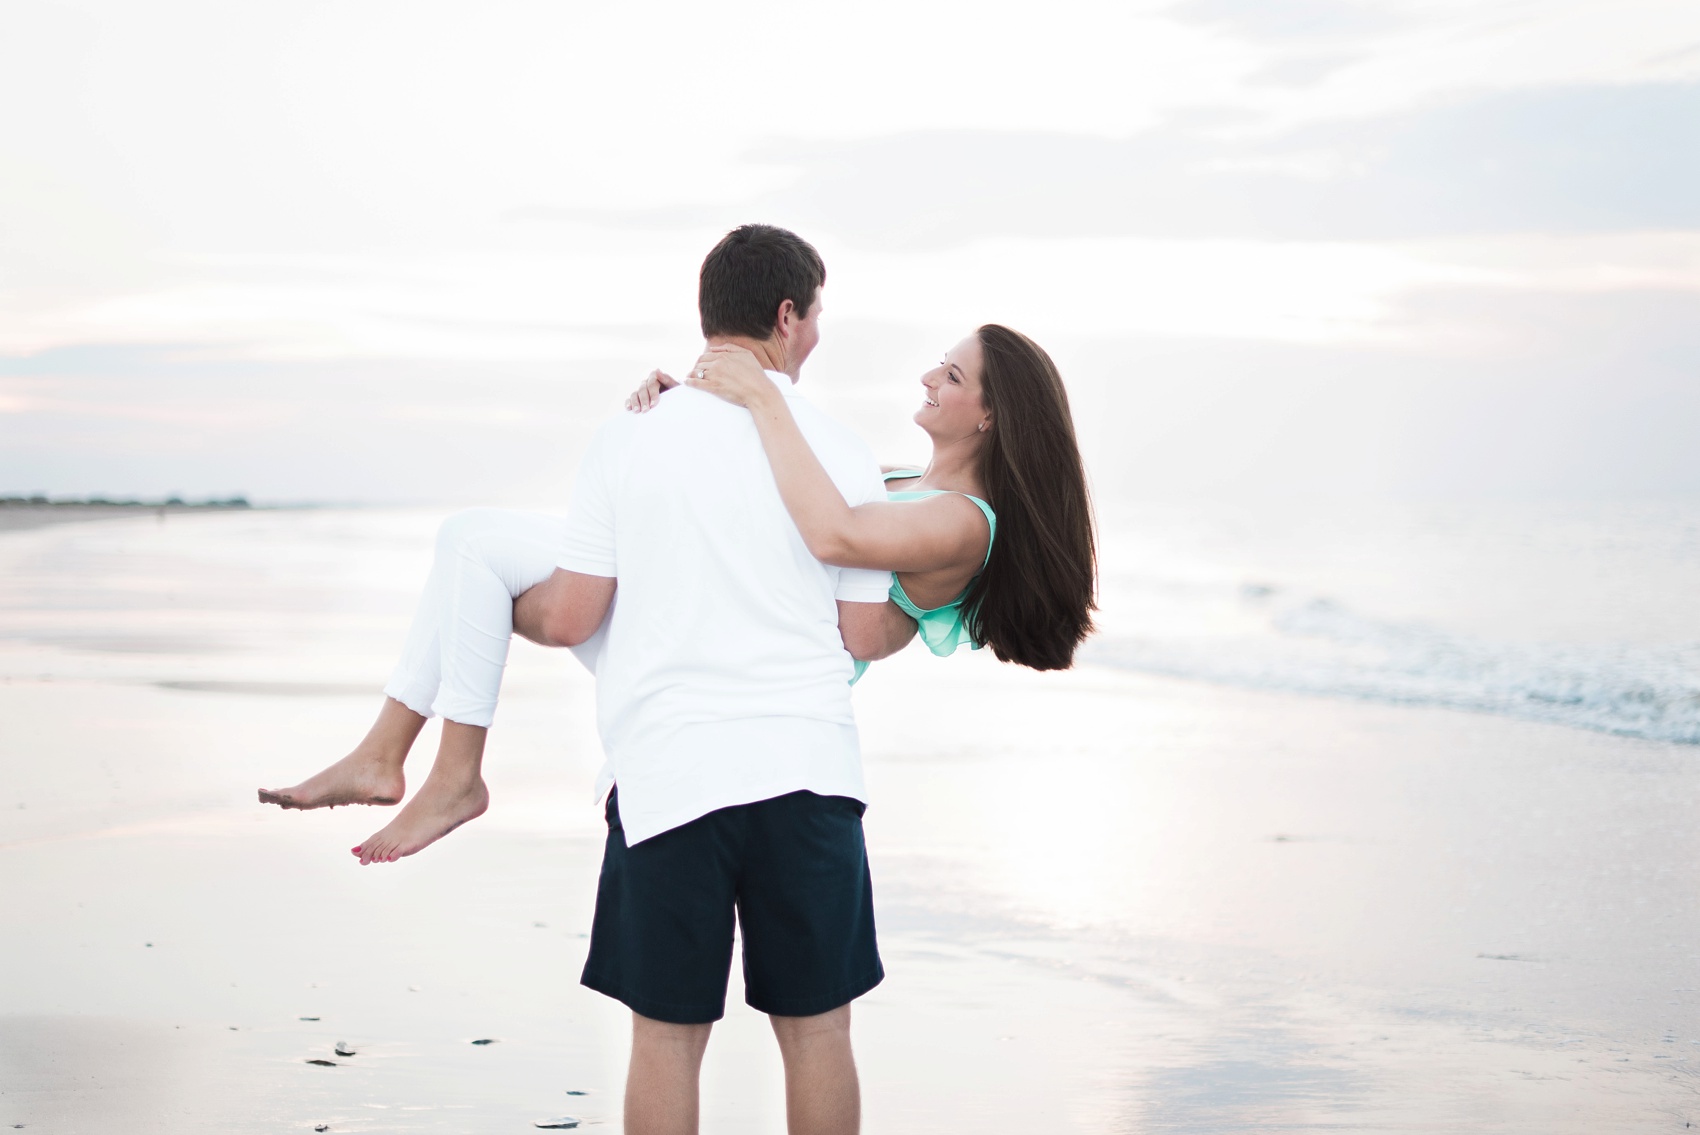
941,628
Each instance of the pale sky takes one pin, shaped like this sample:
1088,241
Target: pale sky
385,251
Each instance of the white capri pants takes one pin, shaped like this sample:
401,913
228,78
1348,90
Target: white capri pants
457,647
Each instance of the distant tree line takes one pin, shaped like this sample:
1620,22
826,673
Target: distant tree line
41,501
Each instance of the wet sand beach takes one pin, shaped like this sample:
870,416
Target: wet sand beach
16,515
1108,901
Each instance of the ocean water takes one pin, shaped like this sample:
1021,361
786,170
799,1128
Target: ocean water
1581,614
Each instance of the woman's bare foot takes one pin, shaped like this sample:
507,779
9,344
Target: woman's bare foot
362,777
371,774
442,804
453,794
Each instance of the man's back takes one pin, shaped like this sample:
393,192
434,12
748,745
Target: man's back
722,678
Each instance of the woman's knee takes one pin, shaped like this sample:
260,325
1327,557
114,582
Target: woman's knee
517,548
468,524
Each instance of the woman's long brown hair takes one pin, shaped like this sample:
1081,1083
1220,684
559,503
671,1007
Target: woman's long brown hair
1033,604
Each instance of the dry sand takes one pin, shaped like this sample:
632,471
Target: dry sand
1107,903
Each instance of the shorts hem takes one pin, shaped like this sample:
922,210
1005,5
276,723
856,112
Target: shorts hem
821,1003
649,1007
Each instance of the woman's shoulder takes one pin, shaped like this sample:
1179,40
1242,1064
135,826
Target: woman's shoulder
970,519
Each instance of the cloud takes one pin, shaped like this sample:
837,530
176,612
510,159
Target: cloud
1524,412
139,419
1580,159
1292,19
1509,392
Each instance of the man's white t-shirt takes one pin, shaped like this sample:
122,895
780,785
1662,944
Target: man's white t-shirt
721,677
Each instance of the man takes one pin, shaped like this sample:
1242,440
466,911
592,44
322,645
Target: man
723,701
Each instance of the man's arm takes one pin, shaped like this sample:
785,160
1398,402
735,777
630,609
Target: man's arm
565,609
568,607
872,631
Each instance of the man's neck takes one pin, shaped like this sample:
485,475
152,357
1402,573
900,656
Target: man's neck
767,351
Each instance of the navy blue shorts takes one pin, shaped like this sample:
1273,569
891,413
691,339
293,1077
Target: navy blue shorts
795,871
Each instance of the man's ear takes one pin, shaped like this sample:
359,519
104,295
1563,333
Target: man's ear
783,319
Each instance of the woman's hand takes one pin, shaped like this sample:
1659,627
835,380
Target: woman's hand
644,397
732,374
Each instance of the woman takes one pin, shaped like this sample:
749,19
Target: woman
991,543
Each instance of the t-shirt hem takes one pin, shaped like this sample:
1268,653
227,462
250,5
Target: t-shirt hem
644,827
862,594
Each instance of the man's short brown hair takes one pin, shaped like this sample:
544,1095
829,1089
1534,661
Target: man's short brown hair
753,270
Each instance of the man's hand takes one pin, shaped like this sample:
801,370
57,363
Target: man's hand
872,631
565,609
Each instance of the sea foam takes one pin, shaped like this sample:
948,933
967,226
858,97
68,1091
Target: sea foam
1318,646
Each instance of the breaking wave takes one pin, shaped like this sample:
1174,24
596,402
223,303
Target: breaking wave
1318,646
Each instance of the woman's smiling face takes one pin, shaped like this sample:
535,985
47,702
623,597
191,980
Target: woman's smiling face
952,407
